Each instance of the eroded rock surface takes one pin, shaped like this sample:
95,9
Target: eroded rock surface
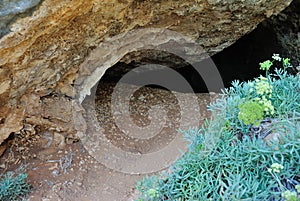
10,10
286,25
42,53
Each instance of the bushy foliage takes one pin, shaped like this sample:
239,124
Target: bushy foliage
13,186
282,101
229,169
219,166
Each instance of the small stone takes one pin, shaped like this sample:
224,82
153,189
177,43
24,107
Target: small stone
59,140
55,172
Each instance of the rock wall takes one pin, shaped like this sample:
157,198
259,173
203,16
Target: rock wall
41,54
10,10
286,25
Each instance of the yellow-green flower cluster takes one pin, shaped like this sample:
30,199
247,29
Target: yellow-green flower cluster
286,62
276,168
266,65
289,195
267,105
263,89
251,112
263,86
153,193
269,108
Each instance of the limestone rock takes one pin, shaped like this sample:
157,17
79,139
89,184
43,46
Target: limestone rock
12,9
41,52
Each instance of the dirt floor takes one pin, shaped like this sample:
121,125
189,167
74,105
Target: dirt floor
72,171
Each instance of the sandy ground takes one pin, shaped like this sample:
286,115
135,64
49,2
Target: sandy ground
84,170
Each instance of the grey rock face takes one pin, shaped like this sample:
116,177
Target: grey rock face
10,10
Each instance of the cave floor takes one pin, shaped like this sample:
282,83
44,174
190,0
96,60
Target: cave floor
71,172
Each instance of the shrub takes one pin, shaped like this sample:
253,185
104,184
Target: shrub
229,170
220,166
13,187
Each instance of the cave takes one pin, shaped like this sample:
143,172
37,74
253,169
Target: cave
145,79
149,77
240,61
58,57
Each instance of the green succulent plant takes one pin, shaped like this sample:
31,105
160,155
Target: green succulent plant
13,186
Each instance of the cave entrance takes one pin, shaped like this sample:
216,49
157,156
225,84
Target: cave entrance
160,67
154,113
142,122
240,61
